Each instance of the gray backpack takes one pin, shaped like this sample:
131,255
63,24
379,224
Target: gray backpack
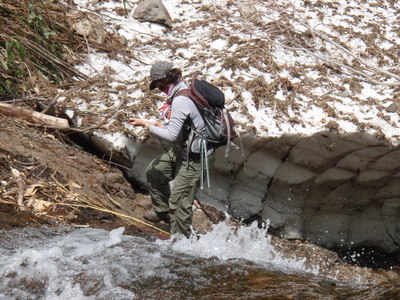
210,101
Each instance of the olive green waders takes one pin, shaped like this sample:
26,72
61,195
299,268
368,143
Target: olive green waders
177,201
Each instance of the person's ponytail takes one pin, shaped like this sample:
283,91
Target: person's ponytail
173,76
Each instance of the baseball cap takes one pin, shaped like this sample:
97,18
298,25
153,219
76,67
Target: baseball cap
158,71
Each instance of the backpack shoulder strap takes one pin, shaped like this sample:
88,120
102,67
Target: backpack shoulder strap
195,95
183,92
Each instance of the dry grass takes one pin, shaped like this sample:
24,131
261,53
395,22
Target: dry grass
331,112
333,126
355,85
235,62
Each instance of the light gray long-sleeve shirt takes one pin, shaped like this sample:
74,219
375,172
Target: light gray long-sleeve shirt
182,107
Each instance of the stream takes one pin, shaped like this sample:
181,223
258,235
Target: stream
87,263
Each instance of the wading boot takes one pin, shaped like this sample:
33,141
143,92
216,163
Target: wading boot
156,217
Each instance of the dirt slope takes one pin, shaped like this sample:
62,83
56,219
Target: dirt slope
58,182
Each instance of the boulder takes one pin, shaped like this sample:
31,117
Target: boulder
152,11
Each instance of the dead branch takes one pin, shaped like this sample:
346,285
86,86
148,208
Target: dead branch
52,58
33,116
7,202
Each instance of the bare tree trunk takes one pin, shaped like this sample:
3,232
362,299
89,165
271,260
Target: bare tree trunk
33,116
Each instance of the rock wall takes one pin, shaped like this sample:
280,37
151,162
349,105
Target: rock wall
335,191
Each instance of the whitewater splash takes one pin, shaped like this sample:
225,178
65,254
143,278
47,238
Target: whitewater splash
87,263
45,264
226,243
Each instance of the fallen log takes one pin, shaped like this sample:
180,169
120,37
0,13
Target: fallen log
33,116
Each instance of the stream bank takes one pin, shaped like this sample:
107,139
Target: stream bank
65,185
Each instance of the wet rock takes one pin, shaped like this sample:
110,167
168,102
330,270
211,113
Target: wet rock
213,214
329,263
200,222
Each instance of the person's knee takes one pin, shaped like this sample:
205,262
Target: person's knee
154,175
150,173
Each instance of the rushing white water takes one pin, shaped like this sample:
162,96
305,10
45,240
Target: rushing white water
87,263
249,243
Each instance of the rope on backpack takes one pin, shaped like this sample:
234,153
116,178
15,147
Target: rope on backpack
204,164
228,129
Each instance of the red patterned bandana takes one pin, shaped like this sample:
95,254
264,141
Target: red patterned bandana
165,110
